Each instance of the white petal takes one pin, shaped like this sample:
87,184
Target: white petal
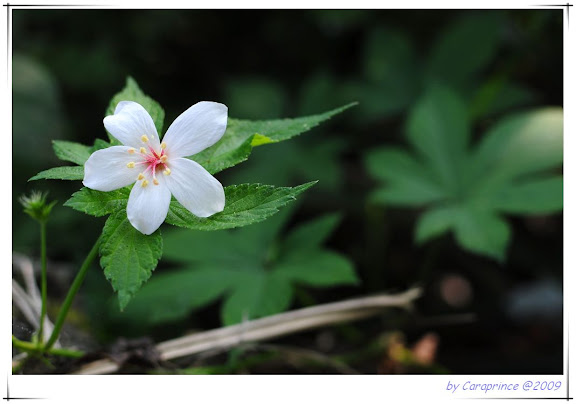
148,206
129,123
195,188
107,169
197,128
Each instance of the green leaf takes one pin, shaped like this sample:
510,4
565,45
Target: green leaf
408,181
438,128
70,151
171,295
245,204
520,144
435,222
482,232
97,203
530,196
60,173
311,234
132,92
256,294
318,268
127,256
465,47
241,134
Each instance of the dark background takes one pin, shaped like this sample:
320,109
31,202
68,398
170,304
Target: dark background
67,64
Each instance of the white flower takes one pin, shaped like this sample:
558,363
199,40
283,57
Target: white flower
159,169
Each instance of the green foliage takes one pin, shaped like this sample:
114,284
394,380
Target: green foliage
70,151
253,269
132,92
127,256
467,189
97,203
245,204
74,173
241,136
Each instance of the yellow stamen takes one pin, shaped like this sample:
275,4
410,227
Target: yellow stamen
142,150
163,145
144,138
163,159
140,176
167,171
131,150
156,181
144,183
130,164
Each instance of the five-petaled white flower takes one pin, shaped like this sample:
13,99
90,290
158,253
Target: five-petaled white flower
159,169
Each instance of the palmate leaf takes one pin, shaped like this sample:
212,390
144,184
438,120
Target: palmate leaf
466,190
253,269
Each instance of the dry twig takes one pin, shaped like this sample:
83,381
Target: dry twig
271,327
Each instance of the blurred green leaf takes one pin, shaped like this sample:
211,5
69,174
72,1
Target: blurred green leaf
438,128
256,98
132,92
60,173
466,189
318,268
538,196
316,159
482,232
409,181
127,256
465,48
252,268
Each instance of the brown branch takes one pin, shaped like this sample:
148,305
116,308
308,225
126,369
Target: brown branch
271,327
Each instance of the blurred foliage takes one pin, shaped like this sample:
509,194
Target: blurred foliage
253,268
466,190
501,65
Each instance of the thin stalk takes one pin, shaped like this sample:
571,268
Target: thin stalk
44,281
72,293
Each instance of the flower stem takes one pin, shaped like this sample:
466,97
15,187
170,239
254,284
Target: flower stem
44,281
72,293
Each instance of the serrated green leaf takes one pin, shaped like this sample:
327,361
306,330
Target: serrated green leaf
482,232
60,173
311,234
127,256
530,196
132,92
438,128
97,203
256,294
318,268
71,151
240,134
245,204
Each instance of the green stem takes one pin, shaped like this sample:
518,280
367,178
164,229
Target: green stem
34,349
44,281
72,293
